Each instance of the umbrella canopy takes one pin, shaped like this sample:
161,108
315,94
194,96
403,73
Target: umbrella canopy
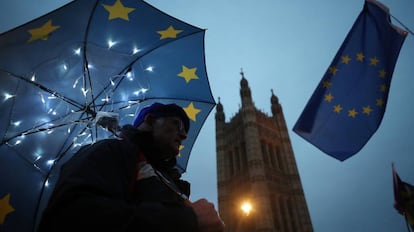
72,76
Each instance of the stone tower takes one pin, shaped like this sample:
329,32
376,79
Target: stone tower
255,164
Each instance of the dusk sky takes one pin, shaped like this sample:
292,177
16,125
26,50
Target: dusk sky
287,46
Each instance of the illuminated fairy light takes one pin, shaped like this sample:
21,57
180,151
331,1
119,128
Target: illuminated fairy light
19,141
38,153
33,78
52,112
150,69
42,98
84,91
49,131
130,103
74,142
107,99
112,82
76,82
7,96
17,123
81,143
90,66
76,145
140,91
38,157
53,96
86,139
135,50
77,51
82,134
50,162
47,183
65,67
130,76
111,43
78,137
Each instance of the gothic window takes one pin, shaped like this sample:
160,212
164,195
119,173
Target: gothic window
279,158
230,162
244,156
237,159
272,155
276,212
291,209
265,154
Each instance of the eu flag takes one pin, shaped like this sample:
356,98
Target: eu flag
403,198
349,103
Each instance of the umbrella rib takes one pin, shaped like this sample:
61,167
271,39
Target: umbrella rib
162,98
23,157
128,67
10,114
154,48
86,67
44,88
61,154
39,129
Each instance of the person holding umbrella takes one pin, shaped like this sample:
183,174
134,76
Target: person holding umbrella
130,184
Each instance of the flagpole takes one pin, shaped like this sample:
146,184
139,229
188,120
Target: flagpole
405,27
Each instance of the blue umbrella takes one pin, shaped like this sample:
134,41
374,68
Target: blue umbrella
73,76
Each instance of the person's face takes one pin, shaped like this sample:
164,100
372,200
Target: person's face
168,133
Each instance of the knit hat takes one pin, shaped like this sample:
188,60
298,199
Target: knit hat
163,110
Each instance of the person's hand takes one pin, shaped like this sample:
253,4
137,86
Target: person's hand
208,218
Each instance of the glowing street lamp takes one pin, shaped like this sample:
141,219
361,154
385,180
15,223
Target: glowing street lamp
246,207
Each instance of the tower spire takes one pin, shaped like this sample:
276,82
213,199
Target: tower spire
245,93
274,100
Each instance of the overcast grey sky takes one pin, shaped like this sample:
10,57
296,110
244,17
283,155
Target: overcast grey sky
287,46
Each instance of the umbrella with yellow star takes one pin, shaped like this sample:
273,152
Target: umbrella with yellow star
72,76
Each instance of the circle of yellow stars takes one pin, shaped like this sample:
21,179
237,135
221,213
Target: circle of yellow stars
353,112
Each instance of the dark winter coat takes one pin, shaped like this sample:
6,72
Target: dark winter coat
97,191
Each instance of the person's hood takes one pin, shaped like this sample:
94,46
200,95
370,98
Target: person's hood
145,143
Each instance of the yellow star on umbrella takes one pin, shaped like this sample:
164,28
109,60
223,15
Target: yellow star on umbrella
170,32
118,10
181,148
42,32
188,74
5,208
191,111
